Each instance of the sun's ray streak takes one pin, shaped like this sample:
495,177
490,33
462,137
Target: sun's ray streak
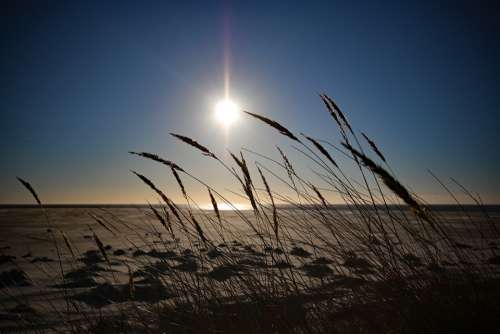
227,63
227,52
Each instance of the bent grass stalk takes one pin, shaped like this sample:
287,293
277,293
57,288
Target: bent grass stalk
278,268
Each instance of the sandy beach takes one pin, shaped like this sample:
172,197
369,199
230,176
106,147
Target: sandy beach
137,247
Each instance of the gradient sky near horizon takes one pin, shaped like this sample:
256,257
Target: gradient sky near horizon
84,82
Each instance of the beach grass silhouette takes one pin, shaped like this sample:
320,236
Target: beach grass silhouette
384,261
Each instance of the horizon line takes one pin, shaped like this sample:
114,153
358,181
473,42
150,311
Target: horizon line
76,205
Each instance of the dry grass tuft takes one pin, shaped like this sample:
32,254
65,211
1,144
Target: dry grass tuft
384,262
321,149
156,158
374,147
32,191
195,144
284,131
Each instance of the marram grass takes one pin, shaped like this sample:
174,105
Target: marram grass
384,262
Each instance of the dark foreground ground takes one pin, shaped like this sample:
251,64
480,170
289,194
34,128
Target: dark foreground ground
137,277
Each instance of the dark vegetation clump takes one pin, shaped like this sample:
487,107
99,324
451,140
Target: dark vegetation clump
106,294
119,252
6,259
13,278
41,259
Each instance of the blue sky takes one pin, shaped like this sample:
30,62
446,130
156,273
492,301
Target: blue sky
83,83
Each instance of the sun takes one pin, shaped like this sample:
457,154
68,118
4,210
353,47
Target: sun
227,112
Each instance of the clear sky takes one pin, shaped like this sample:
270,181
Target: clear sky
82,83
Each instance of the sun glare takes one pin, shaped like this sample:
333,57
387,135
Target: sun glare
226,112
227,207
